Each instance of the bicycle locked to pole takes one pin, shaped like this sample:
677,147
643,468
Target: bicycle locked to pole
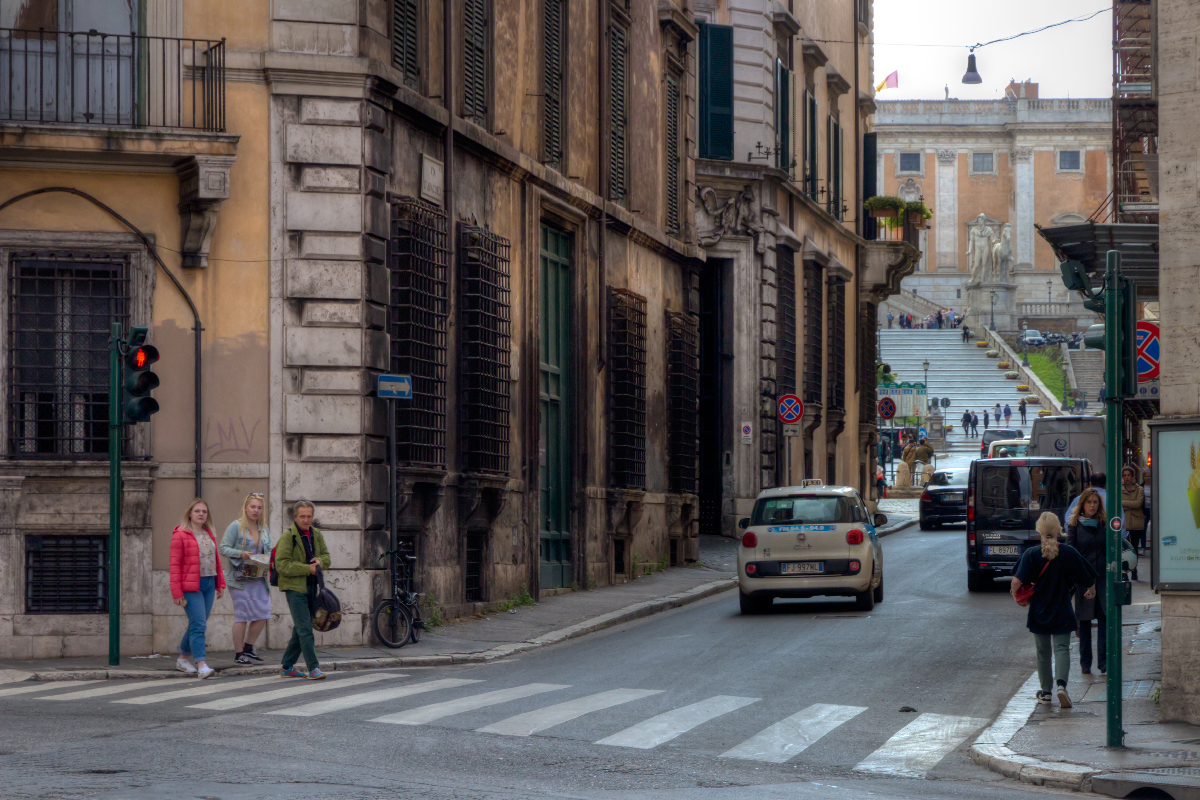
397,619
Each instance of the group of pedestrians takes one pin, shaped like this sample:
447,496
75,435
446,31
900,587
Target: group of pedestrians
198,579
970,420
942,319
1060,571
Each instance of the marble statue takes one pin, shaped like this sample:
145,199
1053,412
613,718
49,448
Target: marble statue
1002,256
979,249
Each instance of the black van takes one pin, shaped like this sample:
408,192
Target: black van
1005,497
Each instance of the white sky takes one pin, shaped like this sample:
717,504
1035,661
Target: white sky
1073,60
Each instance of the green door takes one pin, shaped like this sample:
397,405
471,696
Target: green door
554,441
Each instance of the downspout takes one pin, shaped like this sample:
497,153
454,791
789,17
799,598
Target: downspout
858,198
602,184
448,103
196,327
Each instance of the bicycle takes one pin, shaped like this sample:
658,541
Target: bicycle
397,619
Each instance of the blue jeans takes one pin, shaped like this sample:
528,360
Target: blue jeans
199,606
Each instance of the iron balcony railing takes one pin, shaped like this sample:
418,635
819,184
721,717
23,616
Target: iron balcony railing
117,80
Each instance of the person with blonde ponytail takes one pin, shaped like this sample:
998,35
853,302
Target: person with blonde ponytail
1054,570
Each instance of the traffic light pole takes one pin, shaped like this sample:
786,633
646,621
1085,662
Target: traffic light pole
1113,347
114,496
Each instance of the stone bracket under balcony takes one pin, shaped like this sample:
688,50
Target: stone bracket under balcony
883,265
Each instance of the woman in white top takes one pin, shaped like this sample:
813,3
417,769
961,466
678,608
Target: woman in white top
246,537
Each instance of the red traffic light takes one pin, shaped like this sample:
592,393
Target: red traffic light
140,358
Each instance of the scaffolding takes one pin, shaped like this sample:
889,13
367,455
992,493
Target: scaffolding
1135,114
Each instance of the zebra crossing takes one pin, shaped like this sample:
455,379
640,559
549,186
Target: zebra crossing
912,751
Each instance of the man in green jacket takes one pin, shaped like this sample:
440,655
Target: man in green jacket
300,553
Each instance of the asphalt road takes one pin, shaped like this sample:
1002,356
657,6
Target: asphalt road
804,702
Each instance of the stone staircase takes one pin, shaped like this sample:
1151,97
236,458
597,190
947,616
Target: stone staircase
962,372
1088,366
908,303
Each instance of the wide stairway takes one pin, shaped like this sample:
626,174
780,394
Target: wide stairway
962,372
1088,366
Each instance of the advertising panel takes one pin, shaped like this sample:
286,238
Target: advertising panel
1175,504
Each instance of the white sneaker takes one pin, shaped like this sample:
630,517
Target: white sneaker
204,672
183,665
1064,699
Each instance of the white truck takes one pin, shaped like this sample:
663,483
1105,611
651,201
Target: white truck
1069,437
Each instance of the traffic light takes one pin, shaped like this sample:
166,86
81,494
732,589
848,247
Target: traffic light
137,405
1126,320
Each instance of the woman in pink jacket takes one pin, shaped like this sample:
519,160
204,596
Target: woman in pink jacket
196,579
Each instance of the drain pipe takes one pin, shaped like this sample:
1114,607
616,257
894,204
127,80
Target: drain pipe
602,185
196,327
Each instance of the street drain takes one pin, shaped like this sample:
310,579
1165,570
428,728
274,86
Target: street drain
101,771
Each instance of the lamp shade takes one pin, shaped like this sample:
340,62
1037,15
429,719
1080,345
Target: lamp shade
971,75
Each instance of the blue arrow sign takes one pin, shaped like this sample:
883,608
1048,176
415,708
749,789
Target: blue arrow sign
395,387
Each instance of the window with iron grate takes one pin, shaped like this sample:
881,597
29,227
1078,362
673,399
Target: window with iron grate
418,312
485,340
61,307
785,353
406,18
837,345
66,574
814,343
868,356
473,569
627,388
683,392
475,61
554,17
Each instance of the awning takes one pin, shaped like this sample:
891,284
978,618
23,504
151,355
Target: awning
1090,242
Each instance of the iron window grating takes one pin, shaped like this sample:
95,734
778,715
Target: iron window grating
814,313
473,572
837,345
418,311
61,309
786,314
868,357
683,392
66,574
627,388
485,378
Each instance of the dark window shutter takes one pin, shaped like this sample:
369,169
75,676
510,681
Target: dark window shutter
475,61
673,155
841,170
811,145
552,67
783,117
869,150
618,136
716,92
405,18
830,160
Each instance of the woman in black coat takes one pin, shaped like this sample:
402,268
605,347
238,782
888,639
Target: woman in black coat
1086,533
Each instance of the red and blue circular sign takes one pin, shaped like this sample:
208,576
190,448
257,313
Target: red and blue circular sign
1147,351
887,408
791,409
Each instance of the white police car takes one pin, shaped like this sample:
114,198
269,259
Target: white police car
809,540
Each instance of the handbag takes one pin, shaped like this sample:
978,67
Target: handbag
327,612
1024,594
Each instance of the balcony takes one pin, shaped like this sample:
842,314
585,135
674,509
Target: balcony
111,80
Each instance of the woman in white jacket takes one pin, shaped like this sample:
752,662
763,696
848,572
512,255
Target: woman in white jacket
245,537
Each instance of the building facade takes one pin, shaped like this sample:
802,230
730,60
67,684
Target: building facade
1005,166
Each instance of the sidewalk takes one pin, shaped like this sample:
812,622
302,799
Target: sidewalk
469,640
1046,745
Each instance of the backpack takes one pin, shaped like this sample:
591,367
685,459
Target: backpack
327,613
273,579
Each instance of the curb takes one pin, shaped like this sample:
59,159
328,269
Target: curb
901,527
609,620
991,749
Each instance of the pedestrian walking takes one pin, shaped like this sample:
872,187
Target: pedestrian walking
1007,415
1146,509
939,318
890,317
1133,501
974,424
966,422
966,335
985,419
301,552
909,317
248,536
1085,533
1054,570
996,415
196,580
1021,408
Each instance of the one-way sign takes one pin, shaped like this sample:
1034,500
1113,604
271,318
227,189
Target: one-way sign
395,387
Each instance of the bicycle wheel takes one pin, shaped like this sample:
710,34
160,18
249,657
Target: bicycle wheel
392,622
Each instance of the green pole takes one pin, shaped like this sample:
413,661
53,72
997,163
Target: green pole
1113,335
114,496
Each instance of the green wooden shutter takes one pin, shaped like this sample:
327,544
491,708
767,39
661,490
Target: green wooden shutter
783,116
841,171
672,155
830,138
405,17
475,64
552,68
811,145
618,58
716,92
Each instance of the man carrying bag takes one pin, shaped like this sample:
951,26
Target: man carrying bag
299,557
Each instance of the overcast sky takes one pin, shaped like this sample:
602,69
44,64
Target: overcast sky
1073,60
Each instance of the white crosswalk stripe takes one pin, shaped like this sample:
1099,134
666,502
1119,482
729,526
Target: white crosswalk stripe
676,722
920,745
298,686
42,686
436,711
532,722
101,691
368,698
198,688
794,735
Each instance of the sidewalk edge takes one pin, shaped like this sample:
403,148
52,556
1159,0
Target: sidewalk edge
990,748
599,623
903,526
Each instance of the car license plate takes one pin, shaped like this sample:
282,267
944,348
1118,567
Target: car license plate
955,496
798,567
1005,550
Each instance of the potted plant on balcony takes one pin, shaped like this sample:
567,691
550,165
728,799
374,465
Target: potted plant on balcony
884,206
918,213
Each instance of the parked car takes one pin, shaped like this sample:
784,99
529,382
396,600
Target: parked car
804,541
995,435
1031,338
944,499
1008,448
1005,497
